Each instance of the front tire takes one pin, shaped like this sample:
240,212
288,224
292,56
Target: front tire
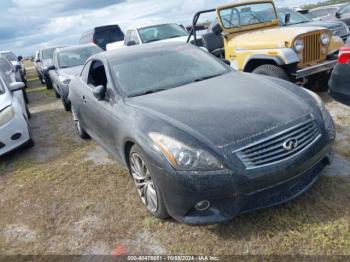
272,70
66,105
81,131
145,184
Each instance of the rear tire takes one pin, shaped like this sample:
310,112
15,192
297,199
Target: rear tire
146,184
272,70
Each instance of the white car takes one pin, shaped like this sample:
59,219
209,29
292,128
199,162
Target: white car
149,34
14,128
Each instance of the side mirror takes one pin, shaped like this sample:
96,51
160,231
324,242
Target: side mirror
37,60
20,58
338,15
99,92
287,19
131,43
16,86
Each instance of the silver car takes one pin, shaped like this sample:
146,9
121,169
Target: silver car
67,63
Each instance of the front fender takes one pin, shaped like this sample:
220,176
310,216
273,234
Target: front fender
281,56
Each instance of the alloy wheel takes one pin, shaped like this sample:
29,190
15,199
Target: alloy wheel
144,182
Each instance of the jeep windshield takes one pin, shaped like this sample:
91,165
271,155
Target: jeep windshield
295,17
245,15
161,32
163,69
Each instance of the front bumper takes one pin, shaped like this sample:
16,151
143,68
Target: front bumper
232,194
326,65
13,134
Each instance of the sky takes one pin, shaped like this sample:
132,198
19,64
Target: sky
26,25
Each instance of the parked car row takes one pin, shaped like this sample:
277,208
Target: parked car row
203,138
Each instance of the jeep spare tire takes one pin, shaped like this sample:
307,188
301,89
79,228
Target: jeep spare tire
272,70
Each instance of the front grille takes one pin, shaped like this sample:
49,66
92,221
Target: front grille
272,150
312,49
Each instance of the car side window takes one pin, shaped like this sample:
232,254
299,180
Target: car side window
133,37
97,74
85,72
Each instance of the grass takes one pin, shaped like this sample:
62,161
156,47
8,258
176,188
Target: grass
55,201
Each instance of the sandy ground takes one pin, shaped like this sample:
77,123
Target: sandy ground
67,196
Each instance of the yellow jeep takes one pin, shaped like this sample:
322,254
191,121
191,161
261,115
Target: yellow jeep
250,37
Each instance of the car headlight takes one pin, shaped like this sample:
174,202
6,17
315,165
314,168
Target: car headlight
65,80
183,157
328,121
299,45
6,115
325,39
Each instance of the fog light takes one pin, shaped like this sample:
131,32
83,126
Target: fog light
16,136
202,205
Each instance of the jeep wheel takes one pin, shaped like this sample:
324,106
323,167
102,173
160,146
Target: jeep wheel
272,70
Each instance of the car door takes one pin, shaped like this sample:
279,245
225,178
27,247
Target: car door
98,115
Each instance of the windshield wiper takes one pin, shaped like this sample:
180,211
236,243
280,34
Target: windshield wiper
153,40
147,92
175,36
206,78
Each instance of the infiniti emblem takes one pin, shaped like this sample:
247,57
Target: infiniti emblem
290,144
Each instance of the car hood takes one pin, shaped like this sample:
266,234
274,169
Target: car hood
71,71
329,24
270,38
226,109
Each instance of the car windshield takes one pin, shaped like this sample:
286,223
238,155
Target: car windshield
246,15
9,56
5,65
48,53
161,32
295,17
77,56
165,69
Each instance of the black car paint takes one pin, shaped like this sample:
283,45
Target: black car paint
339,84
219,115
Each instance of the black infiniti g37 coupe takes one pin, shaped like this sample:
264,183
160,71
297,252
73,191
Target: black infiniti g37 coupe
202,142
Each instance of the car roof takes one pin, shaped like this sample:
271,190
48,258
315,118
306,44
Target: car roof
75,47
132,51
